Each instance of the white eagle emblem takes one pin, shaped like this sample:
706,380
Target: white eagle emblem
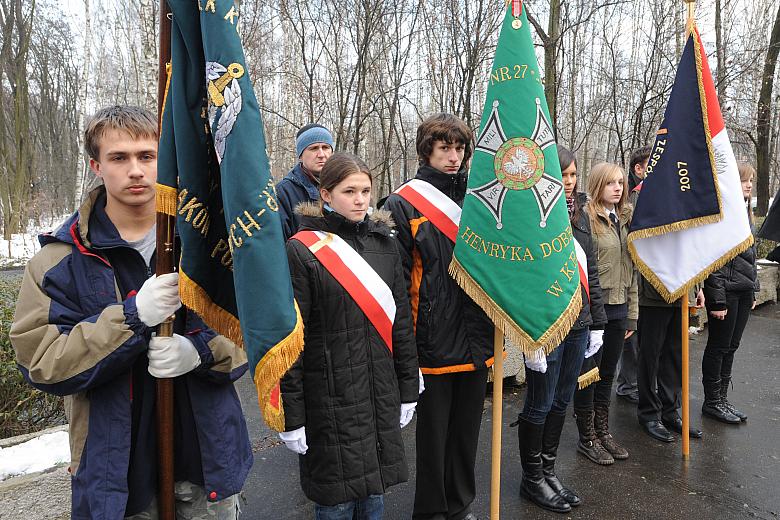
224,92
518,163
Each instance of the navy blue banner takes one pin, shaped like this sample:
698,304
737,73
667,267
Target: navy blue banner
680,189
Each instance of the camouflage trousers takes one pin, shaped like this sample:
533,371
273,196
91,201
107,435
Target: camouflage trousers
191,504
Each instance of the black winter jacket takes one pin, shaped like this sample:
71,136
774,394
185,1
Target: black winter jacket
453,333
739,274
592,315
347,387
294,189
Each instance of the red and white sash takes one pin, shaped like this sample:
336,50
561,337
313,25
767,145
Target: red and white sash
438,208
582,264
359,279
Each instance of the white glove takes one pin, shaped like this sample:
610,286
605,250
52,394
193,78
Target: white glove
421,388
171,356
295,440
596,340
158,299
407,412
536,361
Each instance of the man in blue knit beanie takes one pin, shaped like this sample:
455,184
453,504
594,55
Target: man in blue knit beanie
313,146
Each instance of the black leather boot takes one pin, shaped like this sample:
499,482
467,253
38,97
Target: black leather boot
601,424
713,404
589,444
533,485
550,440
725,382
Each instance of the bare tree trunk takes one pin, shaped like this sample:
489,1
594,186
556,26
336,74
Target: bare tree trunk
720,50
16,148
763,121
550,61
81,164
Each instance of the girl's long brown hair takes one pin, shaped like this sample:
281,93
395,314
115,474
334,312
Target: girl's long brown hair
599,177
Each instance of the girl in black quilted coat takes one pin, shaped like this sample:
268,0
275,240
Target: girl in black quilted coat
730,294
348,395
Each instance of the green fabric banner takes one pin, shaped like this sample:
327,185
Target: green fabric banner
214,176
515,254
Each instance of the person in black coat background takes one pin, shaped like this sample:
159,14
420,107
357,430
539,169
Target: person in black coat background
626,380
313,146
730,294
348,395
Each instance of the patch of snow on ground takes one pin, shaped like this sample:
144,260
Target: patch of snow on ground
25,245
34,455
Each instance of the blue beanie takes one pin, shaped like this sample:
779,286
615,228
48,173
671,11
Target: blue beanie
310,134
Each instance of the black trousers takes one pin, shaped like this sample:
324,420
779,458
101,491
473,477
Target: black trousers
626,379
449,414
724,337
606,359
659,371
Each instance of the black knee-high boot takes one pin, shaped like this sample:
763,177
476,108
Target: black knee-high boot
551,437
534,486
724,398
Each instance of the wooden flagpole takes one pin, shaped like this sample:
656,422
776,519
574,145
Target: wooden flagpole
498,400
686,439
166,262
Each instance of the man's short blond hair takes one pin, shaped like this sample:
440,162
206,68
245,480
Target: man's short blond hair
138,122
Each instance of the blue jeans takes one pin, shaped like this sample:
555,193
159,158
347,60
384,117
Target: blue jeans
369,508
552,391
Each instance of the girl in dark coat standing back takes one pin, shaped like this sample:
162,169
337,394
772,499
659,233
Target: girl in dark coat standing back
730,295
356,383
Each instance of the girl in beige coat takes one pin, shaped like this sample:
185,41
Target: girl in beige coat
610,215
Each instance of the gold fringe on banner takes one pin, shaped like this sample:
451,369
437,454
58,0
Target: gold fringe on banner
651,277
588,378
272,367
194,297
166,199
680,225
551,338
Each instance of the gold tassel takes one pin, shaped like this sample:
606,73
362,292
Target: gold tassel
588,378
651,277
551,338
194,297
168,75
272,367
166,199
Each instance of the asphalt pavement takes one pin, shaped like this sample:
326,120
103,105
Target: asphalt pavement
733,472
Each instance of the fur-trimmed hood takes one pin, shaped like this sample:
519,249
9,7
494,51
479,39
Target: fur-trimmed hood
313,209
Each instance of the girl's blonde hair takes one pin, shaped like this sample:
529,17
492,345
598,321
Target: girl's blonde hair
599,176
746,171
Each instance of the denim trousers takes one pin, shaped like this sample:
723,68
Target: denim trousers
368,508
552,391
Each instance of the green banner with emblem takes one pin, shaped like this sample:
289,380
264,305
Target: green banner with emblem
214,177
514,253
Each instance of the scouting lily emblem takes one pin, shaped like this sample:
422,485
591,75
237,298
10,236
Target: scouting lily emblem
224,100
518,165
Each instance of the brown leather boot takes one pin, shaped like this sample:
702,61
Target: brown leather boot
601,424
588,444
